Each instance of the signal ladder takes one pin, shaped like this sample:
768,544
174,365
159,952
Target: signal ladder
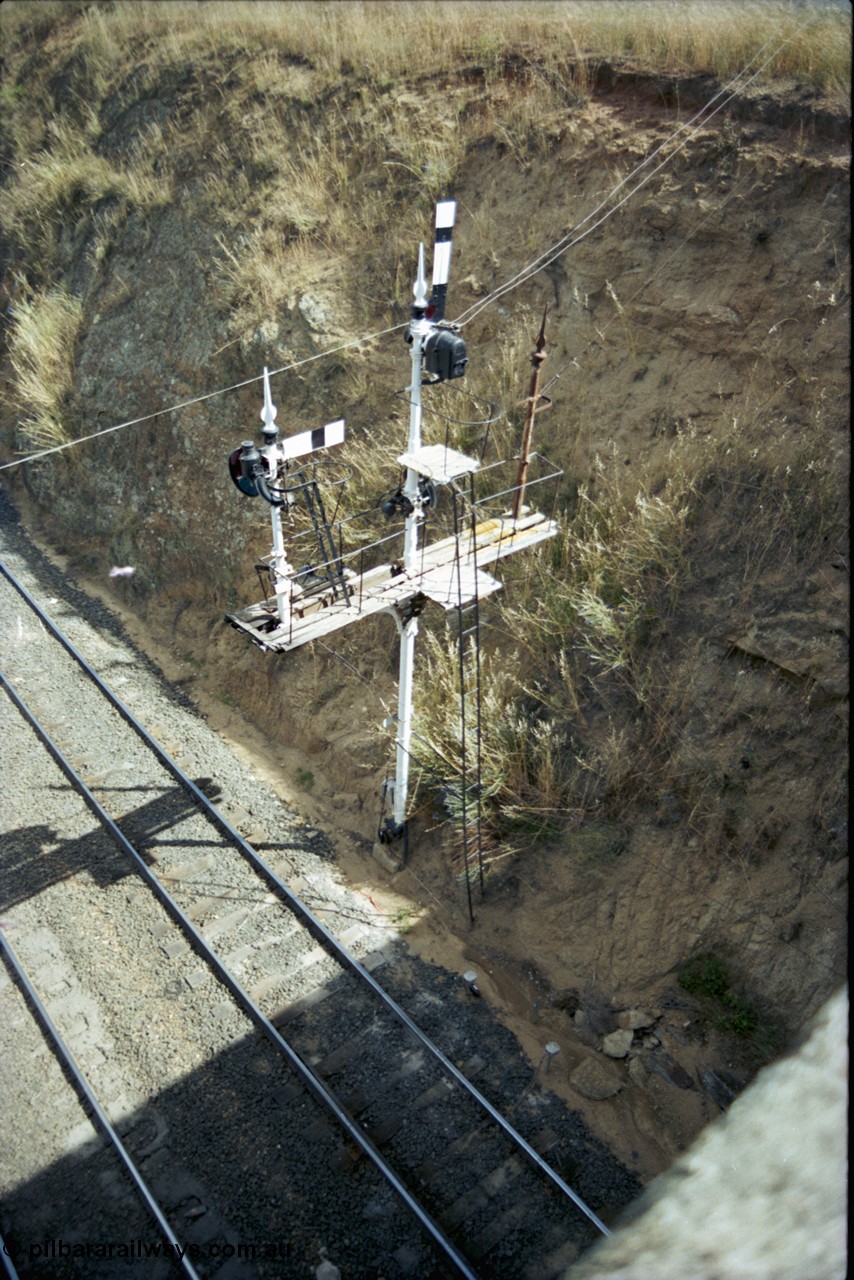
470,796
329,567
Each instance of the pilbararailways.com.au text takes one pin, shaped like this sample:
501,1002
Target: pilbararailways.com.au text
144,1250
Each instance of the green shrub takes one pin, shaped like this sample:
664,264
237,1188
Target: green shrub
738,1016
704,976
707,976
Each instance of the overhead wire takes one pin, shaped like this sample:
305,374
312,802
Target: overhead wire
496,410
660,267
560,249
208,395
567,242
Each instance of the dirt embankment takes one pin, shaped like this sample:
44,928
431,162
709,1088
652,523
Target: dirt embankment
717,293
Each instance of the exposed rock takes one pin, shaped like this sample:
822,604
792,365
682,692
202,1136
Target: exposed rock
618,1043
596,1080
327,1271
637,1072
810,646
586,1031
472,283
322,308
388,855
763,1190
636,1019
722,1087
314,311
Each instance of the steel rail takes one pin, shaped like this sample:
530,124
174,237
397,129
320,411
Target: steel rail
9,1268
304,1070
317,927
98,1114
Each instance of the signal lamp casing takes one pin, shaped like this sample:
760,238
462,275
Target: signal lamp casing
241,471
445,355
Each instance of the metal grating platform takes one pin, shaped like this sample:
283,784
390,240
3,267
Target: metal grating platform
386,586
438,462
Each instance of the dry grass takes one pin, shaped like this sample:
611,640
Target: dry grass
524,768
43,335
67,184
718,38
588,621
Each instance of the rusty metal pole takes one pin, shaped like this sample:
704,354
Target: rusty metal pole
537,358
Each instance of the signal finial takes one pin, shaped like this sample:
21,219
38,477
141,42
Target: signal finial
268,413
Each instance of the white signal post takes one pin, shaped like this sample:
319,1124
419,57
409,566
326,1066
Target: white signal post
280,568
419,329
448,570
264,472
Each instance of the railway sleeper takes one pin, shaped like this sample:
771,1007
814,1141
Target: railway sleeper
478,1197
552,1264
479,1245
292,1010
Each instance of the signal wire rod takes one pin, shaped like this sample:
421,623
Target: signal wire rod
185,404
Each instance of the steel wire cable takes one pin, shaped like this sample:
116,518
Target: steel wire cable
208,395
566,242
560,248
661,266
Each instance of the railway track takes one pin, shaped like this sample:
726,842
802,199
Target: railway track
369,1138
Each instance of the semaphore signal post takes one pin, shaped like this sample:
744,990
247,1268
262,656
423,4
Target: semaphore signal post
346,583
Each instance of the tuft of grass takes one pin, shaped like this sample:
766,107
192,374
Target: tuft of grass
707,977
600,587
523,754
738,1016
43,338
704,975
68,184
402,920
